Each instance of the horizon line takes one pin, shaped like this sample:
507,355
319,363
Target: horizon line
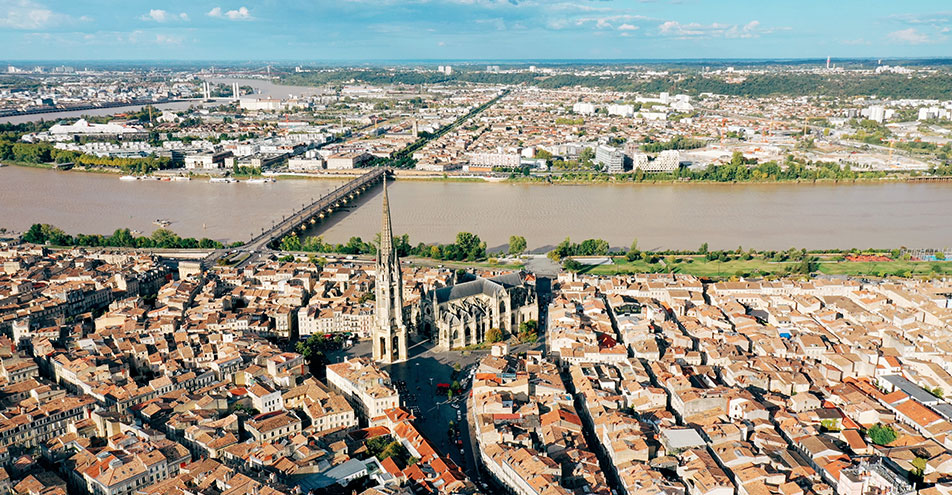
482,60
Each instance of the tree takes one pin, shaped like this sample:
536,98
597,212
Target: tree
881,435
563,249
529,331
919,466
593,247
703,249
571,265
165,238
395,449
587,155
122,238
311,350
469,247
830,425
633,253
517,244
807,265
291,242
494,335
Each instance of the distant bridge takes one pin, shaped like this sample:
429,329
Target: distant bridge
312,213
79,108
929,178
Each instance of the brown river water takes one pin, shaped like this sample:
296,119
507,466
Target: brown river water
682,216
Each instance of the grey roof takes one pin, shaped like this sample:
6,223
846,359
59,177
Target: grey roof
487,286
944,409
509,280
336,474
464,312
682,438
911,389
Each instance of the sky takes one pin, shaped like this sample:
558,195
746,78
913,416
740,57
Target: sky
352,30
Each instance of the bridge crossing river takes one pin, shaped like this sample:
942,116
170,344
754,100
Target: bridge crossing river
308,215
323,206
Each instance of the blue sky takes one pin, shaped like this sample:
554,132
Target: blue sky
471,29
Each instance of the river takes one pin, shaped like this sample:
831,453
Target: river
764,216
72,114
263,88
99,203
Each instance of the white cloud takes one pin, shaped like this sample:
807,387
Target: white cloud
911,36
159,15
498,23
166,39
149,38
749,30
241,14
26,14
610,21
933,18
715,30
108,38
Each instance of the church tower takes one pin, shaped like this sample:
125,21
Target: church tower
390,332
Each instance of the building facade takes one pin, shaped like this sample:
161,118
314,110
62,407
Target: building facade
462,314
612,159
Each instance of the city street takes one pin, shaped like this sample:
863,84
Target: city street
427,367
418,378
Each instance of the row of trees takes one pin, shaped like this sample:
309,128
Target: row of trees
44,152
468,247
588,247
897,86
739,169
675,143
161,238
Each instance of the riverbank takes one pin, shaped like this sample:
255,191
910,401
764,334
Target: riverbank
611,180
406,175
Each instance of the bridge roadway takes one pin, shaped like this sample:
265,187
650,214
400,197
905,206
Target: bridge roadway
302,218
324,204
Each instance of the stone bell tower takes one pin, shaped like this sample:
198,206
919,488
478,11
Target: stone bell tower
390,332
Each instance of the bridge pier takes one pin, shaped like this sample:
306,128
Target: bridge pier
317,210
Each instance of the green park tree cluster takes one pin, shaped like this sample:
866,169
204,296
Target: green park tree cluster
160,238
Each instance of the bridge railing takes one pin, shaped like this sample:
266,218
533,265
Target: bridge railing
287,225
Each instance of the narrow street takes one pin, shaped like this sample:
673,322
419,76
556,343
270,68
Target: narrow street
427,367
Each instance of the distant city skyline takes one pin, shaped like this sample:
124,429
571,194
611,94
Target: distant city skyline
472,29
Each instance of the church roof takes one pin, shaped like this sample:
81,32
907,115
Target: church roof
509,280
487,286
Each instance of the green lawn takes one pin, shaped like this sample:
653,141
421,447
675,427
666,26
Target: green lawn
905,268
701,267
698,266
516,265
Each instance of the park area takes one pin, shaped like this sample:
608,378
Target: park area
700,266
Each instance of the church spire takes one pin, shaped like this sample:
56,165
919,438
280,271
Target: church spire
390,332
386,231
